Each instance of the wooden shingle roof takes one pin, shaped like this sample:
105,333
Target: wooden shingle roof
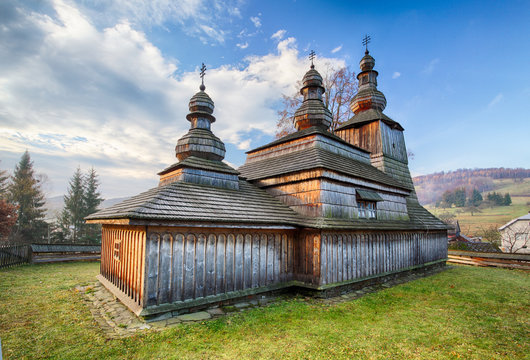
181,201
314,158
202,164
420,219
367,116
314,130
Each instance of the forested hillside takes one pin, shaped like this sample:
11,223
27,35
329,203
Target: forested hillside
431,187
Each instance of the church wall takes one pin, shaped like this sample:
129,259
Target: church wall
123,259
332,195
366,137
346,256
393,143
187,264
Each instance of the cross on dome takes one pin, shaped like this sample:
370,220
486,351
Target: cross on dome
311,57
366,41
203,72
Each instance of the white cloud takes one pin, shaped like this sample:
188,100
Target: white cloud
497,99
201,18
337,49
278,35
429,68
242,45
109,98
256,21
396,74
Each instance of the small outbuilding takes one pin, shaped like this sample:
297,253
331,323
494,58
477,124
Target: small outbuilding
316,209
515,235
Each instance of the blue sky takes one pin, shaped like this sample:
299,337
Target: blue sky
106,83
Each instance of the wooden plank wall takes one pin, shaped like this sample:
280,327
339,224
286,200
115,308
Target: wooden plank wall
122,259
189,264
349,256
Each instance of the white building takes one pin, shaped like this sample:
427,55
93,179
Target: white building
516,235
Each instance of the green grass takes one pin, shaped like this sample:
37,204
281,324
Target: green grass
464,312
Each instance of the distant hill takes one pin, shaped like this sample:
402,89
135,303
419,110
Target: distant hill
54,205
431,187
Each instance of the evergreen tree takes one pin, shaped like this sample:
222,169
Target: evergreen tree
26,193
476,198
74,207
507,199
460,197
3,184
92,201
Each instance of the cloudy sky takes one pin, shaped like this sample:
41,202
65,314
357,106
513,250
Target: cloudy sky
106,83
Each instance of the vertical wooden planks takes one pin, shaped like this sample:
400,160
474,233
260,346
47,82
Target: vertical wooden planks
178,271
229,274
164,271
277,257
270,258
324,259
152,260
220,284
238,262
200,268
263,260
247,262
189,267
255,260
210,265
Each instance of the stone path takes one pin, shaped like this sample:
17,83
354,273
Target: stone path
118,322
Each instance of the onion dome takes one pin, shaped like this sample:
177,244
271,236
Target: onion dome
368,97
200,141
312,112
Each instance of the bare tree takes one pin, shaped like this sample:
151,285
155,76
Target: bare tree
516,237
340,86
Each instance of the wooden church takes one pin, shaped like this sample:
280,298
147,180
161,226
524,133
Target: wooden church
316,210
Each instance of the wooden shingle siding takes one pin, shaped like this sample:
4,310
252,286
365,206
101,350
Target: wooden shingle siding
214,262
124,269
350,256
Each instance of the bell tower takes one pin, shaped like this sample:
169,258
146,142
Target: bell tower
372,130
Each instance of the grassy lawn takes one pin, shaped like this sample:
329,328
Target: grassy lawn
464,312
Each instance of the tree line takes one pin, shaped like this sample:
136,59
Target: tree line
22,207
443,177
460,198
430,188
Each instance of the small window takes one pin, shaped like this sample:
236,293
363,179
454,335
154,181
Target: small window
367,209
117,248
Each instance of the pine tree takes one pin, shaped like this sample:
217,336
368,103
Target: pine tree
3,184
92,201
476,198
74,206
507,199
26,193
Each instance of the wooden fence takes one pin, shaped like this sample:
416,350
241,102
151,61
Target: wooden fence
512,261
45,253
14,255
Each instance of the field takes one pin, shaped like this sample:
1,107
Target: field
461,313
471,224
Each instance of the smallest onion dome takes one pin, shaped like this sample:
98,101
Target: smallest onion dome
367,97
312,112
200,141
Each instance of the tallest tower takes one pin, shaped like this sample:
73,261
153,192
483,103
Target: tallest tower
372,130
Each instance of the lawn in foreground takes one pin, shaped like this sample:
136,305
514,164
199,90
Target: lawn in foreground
464,312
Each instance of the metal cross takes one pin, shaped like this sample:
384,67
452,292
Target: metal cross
366,41
311,57
203,72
